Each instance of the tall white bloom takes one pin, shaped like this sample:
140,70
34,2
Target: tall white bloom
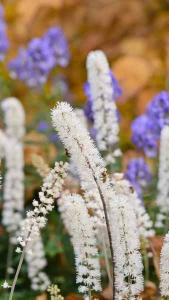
163,175
80,228
104,108
144,223
127,257
164,267
14,118
89,164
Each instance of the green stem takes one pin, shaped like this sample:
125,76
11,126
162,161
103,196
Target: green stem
90,294
106,259
17,274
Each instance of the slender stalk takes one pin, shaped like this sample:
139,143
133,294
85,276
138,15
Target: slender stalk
106,259
90,294
17,274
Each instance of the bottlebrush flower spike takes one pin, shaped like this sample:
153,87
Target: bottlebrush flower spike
80,228
163,175
164,263
37,218
89,164
123,187
125,239
104,109
14,118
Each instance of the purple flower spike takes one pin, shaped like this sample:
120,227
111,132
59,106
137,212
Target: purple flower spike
33,64
145,135
138,173
158,109
4,42
56,41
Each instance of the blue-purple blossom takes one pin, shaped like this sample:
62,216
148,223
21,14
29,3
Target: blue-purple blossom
88,107
138,173
33,64
146,129
46,128
56,41
145,135
43,126
158,109
4,42
117,92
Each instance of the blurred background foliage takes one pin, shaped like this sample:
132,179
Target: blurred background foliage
134,36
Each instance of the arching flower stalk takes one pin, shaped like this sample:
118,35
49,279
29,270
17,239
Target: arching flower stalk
80,227
89,164
164,267
163,177
125,239
37,218
14,118
104,109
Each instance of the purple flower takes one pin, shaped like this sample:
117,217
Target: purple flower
4,42
145,135
56,41
138,173
117,92
53,137
88,107
43,126
146,129
33,64
158,109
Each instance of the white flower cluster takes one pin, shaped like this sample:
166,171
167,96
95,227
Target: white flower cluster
127,258
36,262
144,223
80,228
104,108
54,292
12,144
164,267
163,176
36,219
